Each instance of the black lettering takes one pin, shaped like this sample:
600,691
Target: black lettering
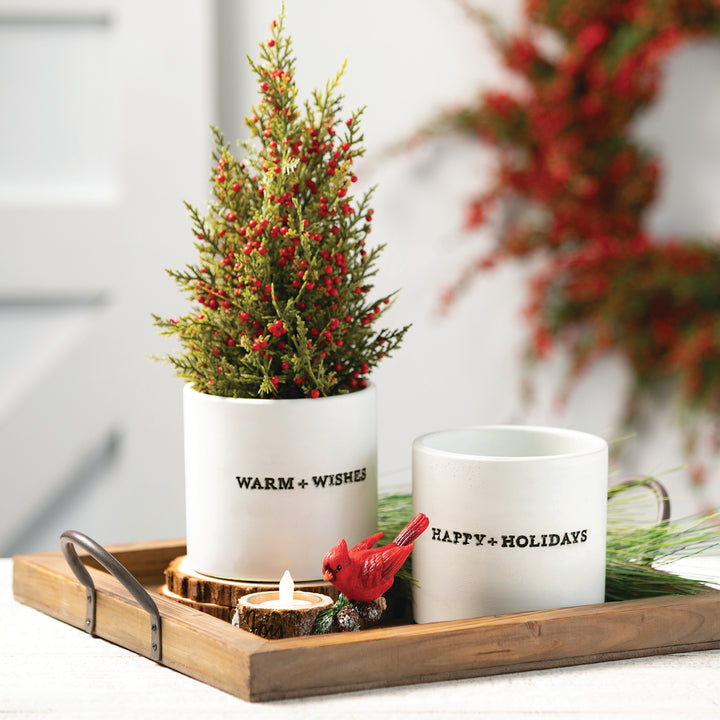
566,540
446,537
467,538
243,482
265,631
508,541
521,541
554,540
436,533
319,480
575,536
479,539
533,542
328,479
348,477
457,535
257,485
284,484
583,536
544,540
270,484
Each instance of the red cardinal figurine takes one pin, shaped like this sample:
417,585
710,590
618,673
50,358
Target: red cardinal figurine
364,573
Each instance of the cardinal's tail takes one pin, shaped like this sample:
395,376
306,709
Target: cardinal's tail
414,528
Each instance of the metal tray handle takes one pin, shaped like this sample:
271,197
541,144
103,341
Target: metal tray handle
68,540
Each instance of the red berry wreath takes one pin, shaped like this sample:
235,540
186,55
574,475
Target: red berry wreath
582,185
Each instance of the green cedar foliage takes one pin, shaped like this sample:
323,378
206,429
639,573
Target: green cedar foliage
281,291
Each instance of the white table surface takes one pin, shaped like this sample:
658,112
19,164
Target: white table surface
49,669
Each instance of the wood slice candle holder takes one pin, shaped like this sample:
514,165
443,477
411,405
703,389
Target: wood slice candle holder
184,583
258,614
219,611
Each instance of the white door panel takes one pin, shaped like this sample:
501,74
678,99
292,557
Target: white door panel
67,413
58,251
104,114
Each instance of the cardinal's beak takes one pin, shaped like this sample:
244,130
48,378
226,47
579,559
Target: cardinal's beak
328,576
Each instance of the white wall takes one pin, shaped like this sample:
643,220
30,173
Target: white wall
407,60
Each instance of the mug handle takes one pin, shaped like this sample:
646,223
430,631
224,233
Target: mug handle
651,483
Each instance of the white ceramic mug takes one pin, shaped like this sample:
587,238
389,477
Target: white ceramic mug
518,520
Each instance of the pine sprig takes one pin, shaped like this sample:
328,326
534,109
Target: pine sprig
394,513
637,553
281,293
326,619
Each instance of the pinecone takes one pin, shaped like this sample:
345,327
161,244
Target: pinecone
371,612
348,618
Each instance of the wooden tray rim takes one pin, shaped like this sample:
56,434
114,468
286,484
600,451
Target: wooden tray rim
265,669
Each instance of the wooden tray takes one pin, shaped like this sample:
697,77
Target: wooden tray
257,669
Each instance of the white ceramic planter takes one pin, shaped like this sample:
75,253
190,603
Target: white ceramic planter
272,485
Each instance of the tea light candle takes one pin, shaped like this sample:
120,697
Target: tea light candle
286,599
280,613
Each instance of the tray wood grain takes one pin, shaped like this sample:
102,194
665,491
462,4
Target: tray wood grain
257,669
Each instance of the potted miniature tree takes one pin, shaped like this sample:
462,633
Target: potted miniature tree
281,336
